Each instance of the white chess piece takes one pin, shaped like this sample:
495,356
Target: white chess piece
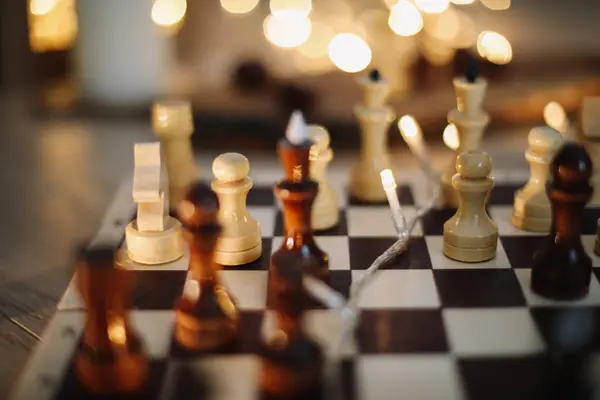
532,210
153,237
470,121
590,127
325,211
173,125
240,241
374,118
470,235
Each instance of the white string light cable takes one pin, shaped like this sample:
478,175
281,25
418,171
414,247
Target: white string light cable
349,309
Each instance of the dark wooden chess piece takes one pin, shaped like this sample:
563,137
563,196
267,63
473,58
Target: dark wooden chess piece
562,269
206,320
291,363
111,358
295,159
299,248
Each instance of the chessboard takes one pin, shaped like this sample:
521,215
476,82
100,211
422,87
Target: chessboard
430,328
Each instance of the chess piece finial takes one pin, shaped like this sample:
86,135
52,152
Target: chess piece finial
375,75
296,131
472,72
532,209
207,318
241,239
294,149
111,359
172,117
325,212
562,269
471,235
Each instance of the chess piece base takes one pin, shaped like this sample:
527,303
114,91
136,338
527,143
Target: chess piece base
116,374
531,223
470,255
152,247
365,185
325,219
558,289
203,334
233,258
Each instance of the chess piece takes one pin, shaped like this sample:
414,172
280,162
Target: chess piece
562,270
153,237
291,362
470,235
206,319
374,118
531,209
470,121
240,241
294,149
325,212
110,358
590,128
173,125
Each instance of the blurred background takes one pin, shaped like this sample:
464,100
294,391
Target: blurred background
246,63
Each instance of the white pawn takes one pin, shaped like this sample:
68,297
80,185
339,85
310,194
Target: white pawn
325,212
240,241
532,209
470,235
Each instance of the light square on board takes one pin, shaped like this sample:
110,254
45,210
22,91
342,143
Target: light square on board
435,246
492,332
248,288
324,326
377,221
392,377
502,217
364,250
336,247
533,299
409,288
265,216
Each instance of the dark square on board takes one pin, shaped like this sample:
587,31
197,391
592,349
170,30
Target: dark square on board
260,264
341,229
569,327
157,290
478,288
504,194
363,251
590,221
503,378
401,331
433,221
261,196
520,250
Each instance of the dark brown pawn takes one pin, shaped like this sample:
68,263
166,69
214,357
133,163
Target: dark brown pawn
562,270
291,363
299,249
207,321
111,358
295,159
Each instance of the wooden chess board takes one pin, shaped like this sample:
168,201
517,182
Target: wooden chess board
430,328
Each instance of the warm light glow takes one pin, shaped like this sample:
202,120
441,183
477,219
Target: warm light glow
462,2
302,6
116,332
349,52
239,6
41,7
445,26
467,32
408,126
450,137
494,47
287,28
433,6
387,179
556,117
316,44
168,12
496,5
405,19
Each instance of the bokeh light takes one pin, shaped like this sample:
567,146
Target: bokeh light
239,6
41,7
168,12
349,52
467,32
390,3
555,116
444,26
287,28
462,2
405,19
494,47
433,6
450,137
316,44
302,6
408,126
496,5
